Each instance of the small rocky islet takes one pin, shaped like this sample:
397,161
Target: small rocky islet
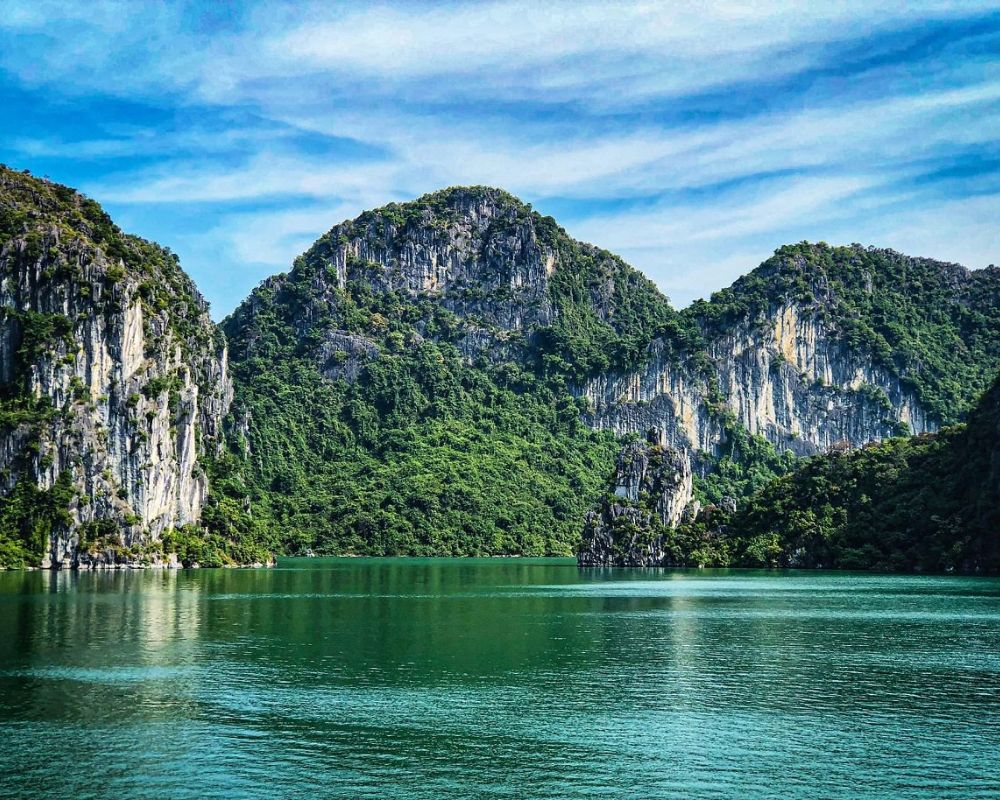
458,376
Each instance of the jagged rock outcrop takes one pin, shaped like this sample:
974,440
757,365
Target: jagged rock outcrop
343,355
651,489
479,252
496,272
112,373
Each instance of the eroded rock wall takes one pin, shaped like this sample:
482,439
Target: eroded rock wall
134,394
789,379
651,489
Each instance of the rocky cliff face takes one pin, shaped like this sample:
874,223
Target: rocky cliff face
819,345
477,252
921,503
112,374
819,348
650,491
787,378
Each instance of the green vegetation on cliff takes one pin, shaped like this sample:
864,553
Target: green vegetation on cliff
28,517
926,503
61,230
375,423
873,508
921,503
606,315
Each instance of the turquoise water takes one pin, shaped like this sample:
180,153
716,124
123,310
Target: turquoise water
393,678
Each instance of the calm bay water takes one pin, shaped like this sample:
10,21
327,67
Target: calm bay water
393,678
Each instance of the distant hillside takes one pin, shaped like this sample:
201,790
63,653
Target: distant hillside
933,325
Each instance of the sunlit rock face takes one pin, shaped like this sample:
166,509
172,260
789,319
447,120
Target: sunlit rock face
789,380
109,344
476,251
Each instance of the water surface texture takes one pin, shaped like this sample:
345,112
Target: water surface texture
393,678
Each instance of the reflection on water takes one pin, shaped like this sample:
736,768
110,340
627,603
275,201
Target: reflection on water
497,678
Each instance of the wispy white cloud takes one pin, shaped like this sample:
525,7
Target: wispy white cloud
770,205
423,154
584,52
267,237
694,249
264,176
963,230
581,51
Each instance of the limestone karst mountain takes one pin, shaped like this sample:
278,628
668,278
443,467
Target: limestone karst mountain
407,319
452,375
113,381
821,345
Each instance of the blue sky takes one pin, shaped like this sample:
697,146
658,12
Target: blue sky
691,138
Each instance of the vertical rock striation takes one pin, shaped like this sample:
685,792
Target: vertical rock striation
788,379
819,345
113,374
476,251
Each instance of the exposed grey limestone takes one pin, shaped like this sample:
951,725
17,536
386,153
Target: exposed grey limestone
343,355
486,260
136,405
789,380
786,377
